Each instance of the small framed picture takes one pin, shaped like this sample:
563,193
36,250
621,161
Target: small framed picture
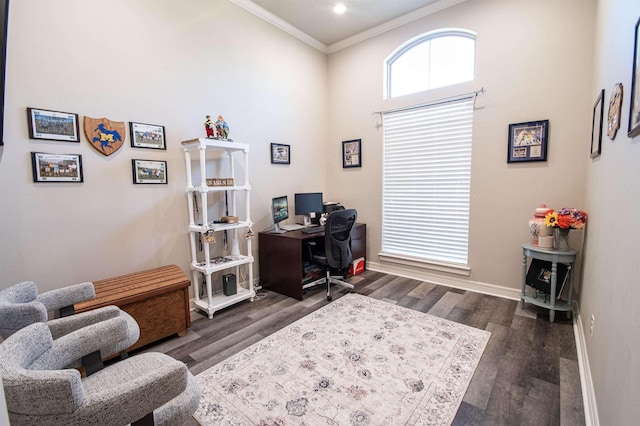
280,153
149,171
596,125
634,107
147,136
539,276
528,141
53,125
56,167
352,153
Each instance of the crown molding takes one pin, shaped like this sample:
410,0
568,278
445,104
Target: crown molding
395,23
365,35
283,25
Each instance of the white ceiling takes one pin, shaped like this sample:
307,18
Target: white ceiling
314,22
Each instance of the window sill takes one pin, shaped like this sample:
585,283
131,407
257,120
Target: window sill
451,268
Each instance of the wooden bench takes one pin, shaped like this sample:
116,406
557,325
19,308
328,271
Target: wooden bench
158,299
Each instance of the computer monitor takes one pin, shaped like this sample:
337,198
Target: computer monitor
280,210
308,203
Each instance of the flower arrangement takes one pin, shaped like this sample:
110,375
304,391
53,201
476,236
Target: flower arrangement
566,218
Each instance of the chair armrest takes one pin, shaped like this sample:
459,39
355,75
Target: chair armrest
43,393
62,326
71,347
140,393
66,296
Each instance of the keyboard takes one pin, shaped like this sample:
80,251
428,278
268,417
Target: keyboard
292,227
313,229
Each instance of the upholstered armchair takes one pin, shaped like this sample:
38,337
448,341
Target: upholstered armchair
21,305
150,388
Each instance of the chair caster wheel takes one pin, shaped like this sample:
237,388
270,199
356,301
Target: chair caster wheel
329,298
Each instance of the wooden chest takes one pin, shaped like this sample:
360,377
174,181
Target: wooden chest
158,299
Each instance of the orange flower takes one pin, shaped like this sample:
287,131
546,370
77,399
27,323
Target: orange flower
565,221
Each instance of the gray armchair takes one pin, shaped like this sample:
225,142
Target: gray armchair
21,305
150,388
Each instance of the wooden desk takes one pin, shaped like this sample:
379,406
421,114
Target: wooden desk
281,257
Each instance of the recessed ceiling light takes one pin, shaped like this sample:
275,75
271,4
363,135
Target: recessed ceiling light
339,8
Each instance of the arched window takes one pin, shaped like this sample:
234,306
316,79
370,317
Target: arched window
435,59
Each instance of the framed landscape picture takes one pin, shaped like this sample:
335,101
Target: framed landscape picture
147,136
53,125
56,167
528,141
149,171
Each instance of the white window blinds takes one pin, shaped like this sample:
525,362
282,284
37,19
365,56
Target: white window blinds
426,182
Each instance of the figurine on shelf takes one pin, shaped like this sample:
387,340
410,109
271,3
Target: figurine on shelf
209,126
222,128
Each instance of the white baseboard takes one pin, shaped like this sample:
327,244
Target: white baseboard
586,381
463,284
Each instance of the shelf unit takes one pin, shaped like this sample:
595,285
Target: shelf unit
200,222
554,256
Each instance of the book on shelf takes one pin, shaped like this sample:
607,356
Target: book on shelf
539,276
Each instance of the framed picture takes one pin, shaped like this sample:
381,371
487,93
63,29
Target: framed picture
56,167
528,141
596,125
634,112
4,14
53,125
147,136
280,154
539,276
149,171
352,153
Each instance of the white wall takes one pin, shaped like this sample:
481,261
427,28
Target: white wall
534,60
171,63
150,61
610,286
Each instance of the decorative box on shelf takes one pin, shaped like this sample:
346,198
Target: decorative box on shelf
220,182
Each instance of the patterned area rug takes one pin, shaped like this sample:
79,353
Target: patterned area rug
356,361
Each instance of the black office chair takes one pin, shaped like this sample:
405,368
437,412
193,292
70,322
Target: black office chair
336,255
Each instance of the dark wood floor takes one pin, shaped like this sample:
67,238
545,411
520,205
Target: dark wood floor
528,374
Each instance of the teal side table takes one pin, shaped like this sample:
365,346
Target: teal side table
555,257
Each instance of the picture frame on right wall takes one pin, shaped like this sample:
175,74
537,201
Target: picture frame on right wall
596,125
634,108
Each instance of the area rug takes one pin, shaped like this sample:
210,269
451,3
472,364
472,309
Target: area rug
356,361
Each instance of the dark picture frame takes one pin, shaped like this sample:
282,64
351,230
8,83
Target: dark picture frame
596,125
56,167
539,276
4,16
528,141
149,172
53,125
149,136
634,107
352,153
280,153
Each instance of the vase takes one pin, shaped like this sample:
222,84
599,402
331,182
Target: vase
537,226
561,239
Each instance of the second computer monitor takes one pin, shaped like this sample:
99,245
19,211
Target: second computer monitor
308,203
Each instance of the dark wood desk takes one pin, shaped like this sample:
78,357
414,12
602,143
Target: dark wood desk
281,257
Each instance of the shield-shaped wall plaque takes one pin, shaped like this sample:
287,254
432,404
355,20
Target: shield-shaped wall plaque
105,135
